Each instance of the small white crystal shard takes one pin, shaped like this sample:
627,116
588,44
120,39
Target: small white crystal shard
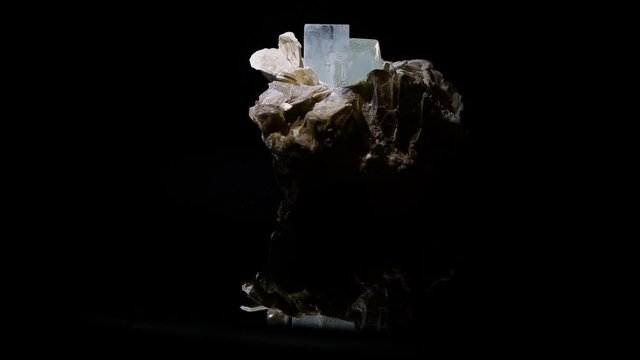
291,48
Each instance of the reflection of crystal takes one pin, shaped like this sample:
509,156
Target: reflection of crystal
337,60
277,317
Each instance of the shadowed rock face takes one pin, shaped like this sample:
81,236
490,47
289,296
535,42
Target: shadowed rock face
369,176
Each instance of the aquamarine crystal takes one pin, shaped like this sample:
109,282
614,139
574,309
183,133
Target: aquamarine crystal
361,57
336,59
320,41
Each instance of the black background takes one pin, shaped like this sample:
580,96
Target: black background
176,198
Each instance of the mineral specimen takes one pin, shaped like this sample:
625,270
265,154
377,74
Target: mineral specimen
360,167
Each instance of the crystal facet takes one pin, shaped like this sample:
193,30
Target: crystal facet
338,60
360,58
320,41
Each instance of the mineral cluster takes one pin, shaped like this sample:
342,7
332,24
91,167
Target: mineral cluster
360,146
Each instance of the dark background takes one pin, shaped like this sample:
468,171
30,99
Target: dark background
176,198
